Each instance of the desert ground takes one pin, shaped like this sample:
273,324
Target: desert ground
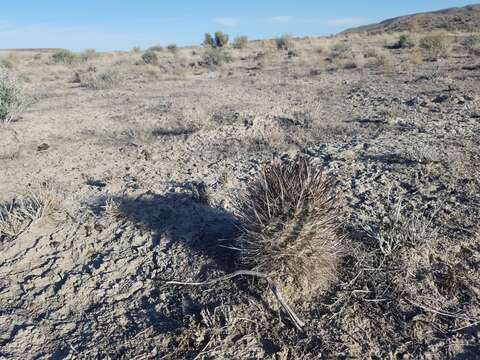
119,173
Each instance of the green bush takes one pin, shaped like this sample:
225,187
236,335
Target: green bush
436,45
285,42
405,42
341,50
221,39
63,57
88,54
208,40
218,40
12,98
216,56
157,48
150,57
5,63
172,48
240,42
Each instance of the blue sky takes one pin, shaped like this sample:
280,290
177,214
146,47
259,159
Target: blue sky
122,24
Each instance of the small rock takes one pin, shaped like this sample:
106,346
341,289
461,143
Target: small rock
96,183
440,99
43,147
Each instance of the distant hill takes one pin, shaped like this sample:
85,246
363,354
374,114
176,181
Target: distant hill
458,18
38,50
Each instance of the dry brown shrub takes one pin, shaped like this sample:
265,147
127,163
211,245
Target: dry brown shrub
92,79
436,45
416,57
290,228
380,59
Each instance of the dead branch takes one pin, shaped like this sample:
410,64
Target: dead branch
299,324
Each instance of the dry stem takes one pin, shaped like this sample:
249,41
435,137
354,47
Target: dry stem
299,324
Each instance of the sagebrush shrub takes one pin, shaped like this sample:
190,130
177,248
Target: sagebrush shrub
12,97
240,42
63,56
216,56
88,54
380,59
405,42
9,61
437,45
150,57
94,80
5,63
341,50
172,48
285,42
472,43
289,227
157,48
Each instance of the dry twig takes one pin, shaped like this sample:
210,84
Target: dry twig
299,324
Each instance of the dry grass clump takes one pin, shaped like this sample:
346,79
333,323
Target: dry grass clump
406,266
381,60
150,57
16,216
5,63
415,57
12,97
399,231
436,45
342,56
263,58
91,79
63,56
341,50
88,55
290,228
9,61
240,42
472,43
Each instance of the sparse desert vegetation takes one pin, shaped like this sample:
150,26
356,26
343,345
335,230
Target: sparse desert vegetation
436,45
96,80
346,169
13,100
63,56
240,42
